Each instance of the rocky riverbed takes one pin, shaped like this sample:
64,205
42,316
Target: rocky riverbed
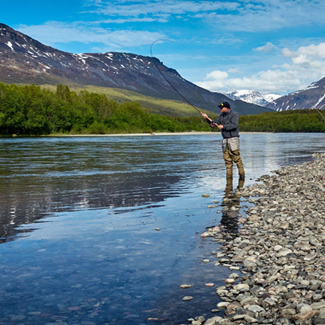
279,251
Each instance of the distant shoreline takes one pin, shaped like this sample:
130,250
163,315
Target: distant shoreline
143,134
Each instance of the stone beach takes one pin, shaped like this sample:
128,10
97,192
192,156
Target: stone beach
278,255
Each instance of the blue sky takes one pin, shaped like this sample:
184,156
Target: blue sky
274,46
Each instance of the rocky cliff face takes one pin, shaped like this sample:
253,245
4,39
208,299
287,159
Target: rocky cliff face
312,97
25,60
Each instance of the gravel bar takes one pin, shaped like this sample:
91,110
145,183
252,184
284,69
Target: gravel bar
279,251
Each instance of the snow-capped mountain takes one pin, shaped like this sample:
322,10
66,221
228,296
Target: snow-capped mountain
252,96
25,60
312,97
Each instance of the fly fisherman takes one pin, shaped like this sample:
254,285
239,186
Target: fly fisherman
227,122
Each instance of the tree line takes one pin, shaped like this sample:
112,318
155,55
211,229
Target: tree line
306,120
32,110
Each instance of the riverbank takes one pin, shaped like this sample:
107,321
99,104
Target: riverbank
280,251
67,135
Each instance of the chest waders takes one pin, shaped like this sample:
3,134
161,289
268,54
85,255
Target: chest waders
230,148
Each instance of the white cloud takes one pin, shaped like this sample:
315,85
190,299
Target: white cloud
240,15
52,33
267,48
217,75
307,65
312,51
165,7
269,15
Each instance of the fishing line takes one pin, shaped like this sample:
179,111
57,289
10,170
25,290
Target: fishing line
170,84
186,100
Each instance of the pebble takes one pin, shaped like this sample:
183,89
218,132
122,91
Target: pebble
209,284
187,298
279,250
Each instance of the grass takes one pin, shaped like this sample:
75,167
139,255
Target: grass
154,105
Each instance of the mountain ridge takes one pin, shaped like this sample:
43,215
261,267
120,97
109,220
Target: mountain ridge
252,96
25,60
313,97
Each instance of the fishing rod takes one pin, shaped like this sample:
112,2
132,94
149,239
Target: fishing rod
170,84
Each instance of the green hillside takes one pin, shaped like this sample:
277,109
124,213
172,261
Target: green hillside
34,110
153,105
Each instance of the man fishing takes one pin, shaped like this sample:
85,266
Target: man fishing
227,122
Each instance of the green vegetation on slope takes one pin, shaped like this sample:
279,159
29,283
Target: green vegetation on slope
153,105
307,120
32,110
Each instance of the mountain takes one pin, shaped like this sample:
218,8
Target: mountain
311,97
252,96
25,60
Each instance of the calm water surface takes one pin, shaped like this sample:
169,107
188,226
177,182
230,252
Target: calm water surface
104,230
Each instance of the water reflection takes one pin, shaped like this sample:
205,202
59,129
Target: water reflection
96,256
28,200
231,206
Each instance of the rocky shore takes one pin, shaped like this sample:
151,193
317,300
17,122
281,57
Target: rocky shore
278,256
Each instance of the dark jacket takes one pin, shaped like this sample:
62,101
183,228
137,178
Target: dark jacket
229,120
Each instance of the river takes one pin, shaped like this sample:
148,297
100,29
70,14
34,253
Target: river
104,230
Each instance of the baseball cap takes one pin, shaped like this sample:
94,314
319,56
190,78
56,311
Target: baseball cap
224,104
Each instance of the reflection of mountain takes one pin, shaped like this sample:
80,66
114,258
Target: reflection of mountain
24,200
41,176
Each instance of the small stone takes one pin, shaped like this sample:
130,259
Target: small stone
283,252
223,304
318,305
230,281
288,312
206,195
209,284
233,276
249,265
187,298
242,287
256,309
186,286
250,319
214,320
305,316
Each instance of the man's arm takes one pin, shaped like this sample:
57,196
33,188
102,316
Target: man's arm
209,120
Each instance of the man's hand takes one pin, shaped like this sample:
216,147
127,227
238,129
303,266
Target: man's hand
220,127
204,115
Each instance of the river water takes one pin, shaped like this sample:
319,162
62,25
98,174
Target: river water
104,230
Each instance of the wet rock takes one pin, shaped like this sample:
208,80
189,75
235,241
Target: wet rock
187,298
209,284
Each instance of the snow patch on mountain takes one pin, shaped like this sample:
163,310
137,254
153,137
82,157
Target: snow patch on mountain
252,96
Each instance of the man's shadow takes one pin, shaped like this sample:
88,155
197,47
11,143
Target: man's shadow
230,207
